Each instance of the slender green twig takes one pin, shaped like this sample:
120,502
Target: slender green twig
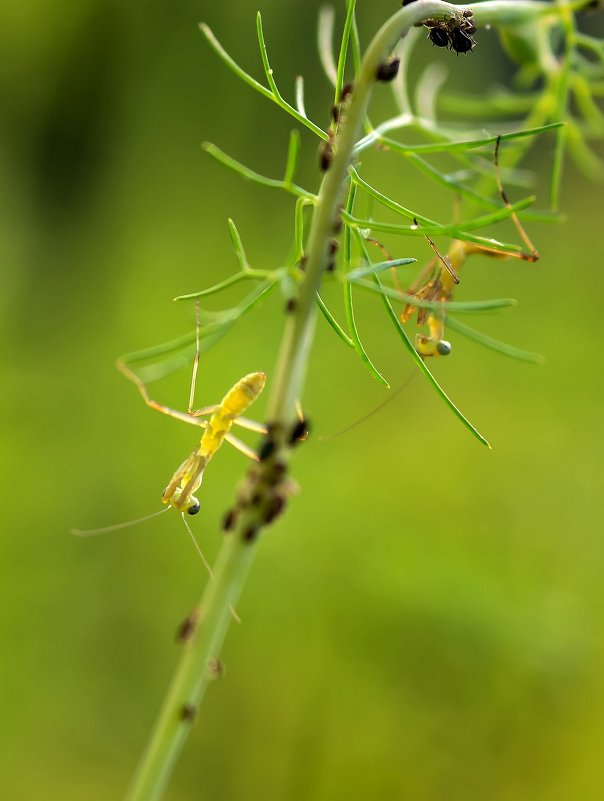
208,625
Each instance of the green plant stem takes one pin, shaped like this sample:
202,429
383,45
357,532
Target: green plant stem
215,610
193,673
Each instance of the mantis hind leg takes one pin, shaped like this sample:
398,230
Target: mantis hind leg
531,254
122,366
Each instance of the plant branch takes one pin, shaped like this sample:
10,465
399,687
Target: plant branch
263,492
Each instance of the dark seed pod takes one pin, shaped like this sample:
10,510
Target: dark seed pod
299,432
290,306
325,157
335,114
462,42
346,91
230,519
267,448
387,70
439,37
443,348
274,508
192,510
186,629
187,713
333,246
250,533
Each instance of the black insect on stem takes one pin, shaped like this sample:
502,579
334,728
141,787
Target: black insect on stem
274,509
229,520
299,432
250,533
325,156
338,224
387,70
346,91
188,713
461,41
186,629
439,37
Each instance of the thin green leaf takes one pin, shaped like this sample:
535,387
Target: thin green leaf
585,158
250,175
468,144
238,245
292,157
358,345
498,102
388,202
429,226
249,301
254,298
166,348
231,64
239,168
264,56
495,344
536,215
449,181
300,96
431,379
370,269
371,225
416,357
234,279
556,170
459,306
156,371
276,98
348,302
356,47
301,203
325,28
429,84
348,24
333,322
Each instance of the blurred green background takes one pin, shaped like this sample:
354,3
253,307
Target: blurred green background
426,622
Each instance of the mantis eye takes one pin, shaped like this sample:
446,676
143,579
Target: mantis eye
443,347
193,507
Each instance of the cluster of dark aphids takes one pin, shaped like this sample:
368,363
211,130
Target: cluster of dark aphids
326,150
267,486
454,33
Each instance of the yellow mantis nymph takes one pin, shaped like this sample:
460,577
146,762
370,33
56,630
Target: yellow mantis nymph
186,480
439,277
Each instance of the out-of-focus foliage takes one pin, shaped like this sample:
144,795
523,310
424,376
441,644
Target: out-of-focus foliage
426,623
